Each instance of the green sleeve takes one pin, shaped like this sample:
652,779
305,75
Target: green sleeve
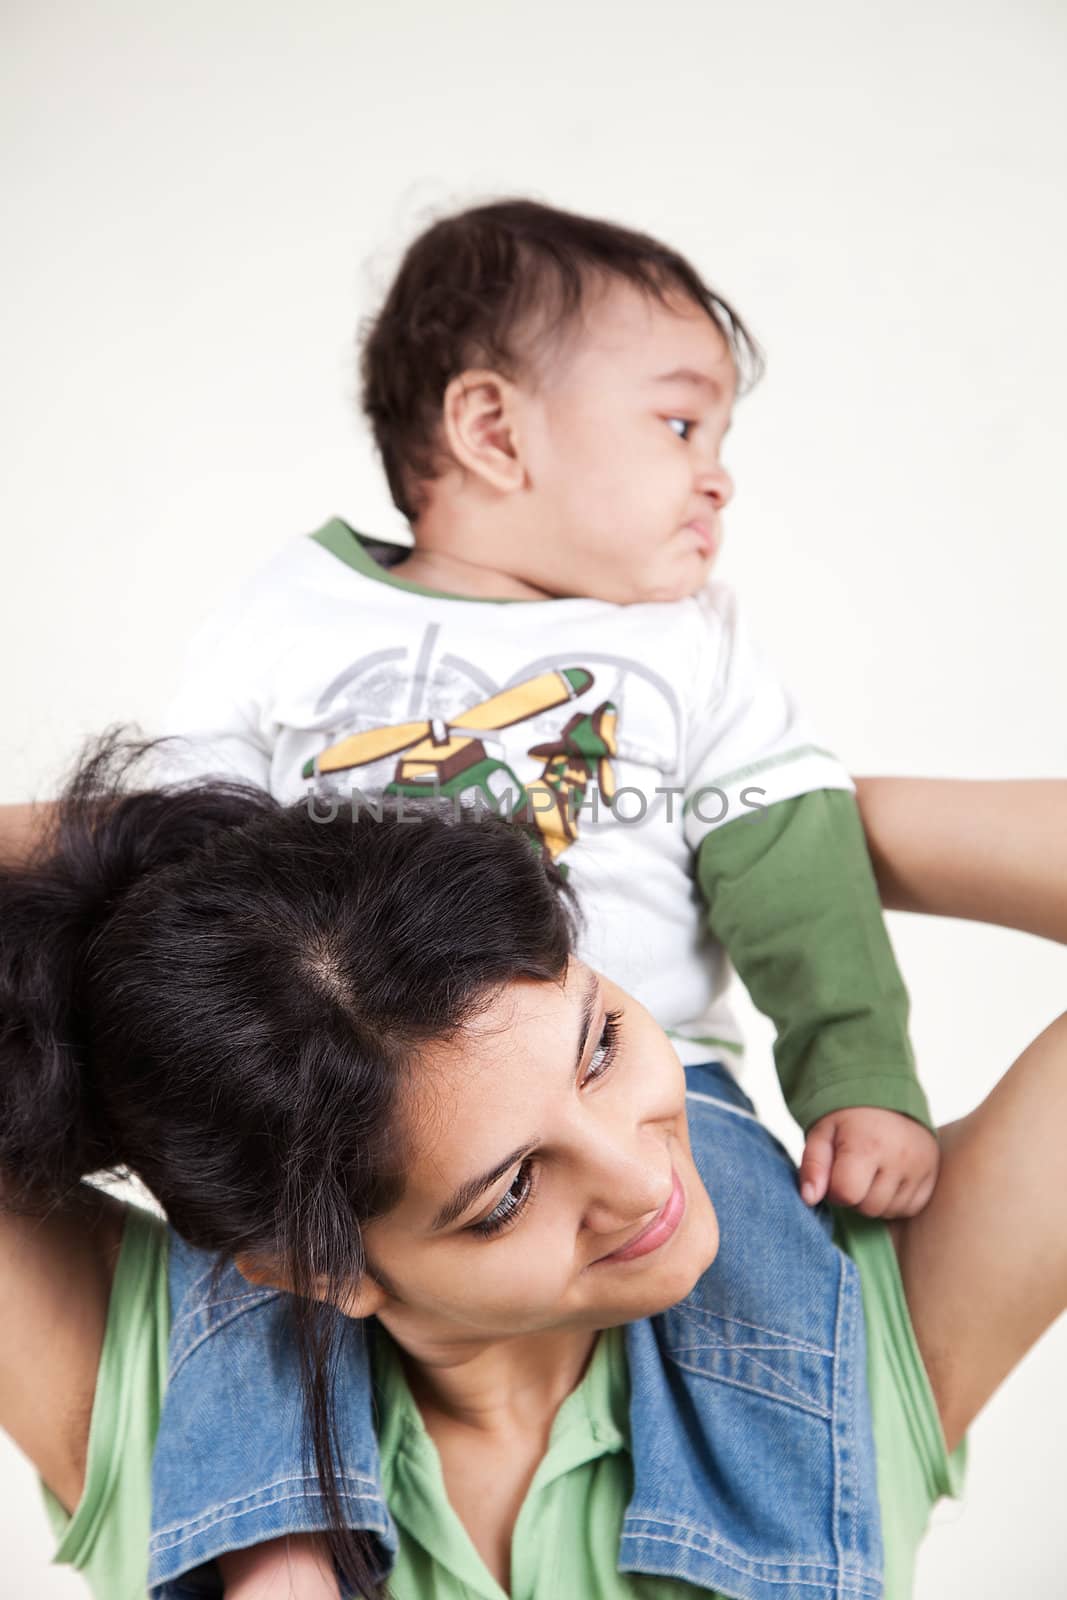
791,895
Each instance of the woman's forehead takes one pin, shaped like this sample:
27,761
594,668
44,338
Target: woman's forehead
524,1024
468,1094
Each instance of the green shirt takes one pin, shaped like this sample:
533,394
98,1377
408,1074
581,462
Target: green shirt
107,1537
566,1538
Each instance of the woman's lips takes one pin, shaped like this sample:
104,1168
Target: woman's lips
658,1231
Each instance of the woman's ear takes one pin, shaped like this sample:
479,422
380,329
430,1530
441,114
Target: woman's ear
365,1300
481,425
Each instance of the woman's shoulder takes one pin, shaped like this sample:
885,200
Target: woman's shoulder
725,1127
144,1244
776,1266
61,1262
106,1536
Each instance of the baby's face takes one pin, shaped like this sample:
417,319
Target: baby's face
622,450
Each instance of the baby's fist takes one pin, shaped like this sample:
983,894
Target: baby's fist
881,1163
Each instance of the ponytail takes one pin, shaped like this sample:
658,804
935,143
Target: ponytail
99,842
223,996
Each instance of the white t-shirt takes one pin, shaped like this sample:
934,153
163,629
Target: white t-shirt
653,724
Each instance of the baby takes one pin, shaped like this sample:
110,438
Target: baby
550,394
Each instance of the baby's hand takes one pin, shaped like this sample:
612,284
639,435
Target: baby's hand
882,1163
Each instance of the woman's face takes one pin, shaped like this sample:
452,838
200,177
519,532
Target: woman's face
546,1138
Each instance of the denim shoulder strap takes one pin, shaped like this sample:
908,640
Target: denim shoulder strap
754,1465
230,1468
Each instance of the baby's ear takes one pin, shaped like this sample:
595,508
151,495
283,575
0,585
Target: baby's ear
365,1300
480,421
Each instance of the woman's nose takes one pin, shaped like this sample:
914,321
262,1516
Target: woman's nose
628,1192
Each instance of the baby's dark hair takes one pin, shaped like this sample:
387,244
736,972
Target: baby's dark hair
502,285
226,996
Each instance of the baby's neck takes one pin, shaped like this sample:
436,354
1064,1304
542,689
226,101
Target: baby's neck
434,569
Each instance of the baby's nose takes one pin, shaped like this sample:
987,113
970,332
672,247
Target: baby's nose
718,485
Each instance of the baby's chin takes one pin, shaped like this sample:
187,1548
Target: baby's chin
681,579
669,593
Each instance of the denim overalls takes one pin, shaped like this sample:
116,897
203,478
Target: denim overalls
753,1457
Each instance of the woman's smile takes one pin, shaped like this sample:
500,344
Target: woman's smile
656,1233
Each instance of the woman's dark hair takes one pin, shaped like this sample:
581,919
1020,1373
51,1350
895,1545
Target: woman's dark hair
501,285
223,995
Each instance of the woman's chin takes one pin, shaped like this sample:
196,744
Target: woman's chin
677,1273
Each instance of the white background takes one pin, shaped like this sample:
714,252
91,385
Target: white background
203,199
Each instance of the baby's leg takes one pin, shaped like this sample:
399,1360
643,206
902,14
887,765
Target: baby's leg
298,1568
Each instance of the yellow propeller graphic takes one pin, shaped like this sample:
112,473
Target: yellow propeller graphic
431,741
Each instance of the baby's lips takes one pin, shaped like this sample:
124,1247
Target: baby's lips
708,542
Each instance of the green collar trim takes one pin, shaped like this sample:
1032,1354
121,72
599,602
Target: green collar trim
360,552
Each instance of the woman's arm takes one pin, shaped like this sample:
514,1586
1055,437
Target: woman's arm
985,851
56,1269
985,1265
20,827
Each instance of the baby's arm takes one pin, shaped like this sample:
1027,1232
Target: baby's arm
792,897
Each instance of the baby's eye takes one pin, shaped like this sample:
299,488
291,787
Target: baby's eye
685,422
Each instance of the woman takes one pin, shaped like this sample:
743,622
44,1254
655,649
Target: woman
313,1043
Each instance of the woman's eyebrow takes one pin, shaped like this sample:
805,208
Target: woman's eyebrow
468,1192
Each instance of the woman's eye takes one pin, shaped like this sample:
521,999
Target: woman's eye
604,1054
685,422
509,1207
518,1196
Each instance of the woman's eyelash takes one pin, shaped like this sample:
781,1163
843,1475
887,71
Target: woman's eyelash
606,1049
518,1196
509,1207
